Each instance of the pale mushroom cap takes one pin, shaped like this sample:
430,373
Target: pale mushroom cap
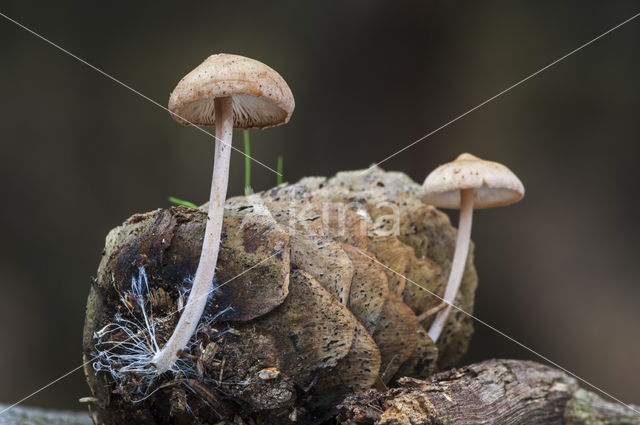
495,185
261,97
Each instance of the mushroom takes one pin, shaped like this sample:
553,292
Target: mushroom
466,183
225,91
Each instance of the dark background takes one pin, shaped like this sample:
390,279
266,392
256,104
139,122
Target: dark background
80,153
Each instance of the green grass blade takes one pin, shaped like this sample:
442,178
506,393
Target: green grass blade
280,170
182,202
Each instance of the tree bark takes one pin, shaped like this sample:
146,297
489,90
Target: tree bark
492,392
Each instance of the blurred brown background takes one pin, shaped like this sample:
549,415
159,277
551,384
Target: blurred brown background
80,153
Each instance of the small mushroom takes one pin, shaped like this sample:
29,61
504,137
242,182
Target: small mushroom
225,91
466,183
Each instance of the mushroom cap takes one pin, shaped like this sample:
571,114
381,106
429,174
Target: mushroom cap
261,97
495,185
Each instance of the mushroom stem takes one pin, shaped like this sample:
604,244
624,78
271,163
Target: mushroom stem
203,280
459,262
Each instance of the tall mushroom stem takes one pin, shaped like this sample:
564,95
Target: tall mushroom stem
203,280
459,262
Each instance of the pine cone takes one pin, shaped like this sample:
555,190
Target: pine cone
310,303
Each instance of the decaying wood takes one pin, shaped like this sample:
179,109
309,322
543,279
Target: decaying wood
498,392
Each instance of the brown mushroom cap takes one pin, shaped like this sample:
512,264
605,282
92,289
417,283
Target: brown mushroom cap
261,97
495,185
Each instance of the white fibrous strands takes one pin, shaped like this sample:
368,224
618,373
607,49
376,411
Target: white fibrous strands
125,347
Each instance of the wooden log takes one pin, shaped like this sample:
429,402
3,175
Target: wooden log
499,392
